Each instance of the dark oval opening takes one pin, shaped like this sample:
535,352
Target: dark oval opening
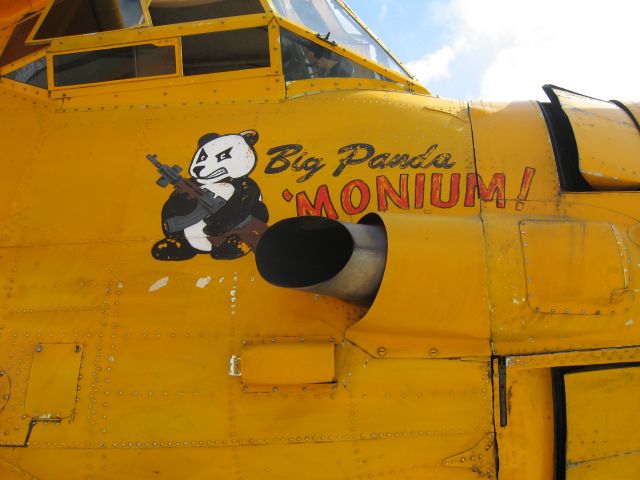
301,252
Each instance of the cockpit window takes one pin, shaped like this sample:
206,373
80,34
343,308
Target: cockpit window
226,51
16,48
79,17
303,59
328,17
168,12
34,74
113,64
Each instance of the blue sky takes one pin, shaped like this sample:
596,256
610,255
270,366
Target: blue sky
507,49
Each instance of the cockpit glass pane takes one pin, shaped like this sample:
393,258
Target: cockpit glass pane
168,12
330,17
303,59
34,73
79,17
113,64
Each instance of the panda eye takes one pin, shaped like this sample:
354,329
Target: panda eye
225,155
202,156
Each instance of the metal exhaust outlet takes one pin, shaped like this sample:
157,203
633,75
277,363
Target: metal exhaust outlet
324,256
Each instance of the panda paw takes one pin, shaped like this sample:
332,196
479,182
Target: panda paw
231,249
173,249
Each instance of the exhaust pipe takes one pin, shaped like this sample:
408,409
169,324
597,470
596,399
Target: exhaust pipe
324,256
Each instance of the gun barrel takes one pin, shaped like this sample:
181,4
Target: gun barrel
154,159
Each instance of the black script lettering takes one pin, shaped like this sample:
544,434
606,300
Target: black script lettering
417,161
282,160
443,161
379,161
398,160
365,151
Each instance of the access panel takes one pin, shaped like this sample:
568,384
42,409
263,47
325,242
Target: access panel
602,422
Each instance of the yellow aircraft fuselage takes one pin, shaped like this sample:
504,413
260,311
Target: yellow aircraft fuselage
138,339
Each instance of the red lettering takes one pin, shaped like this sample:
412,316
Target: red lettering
496,189
322,203
386,190
347,197
436,191
420,180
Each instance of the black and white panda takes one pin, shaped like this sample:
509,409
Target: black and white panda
221,164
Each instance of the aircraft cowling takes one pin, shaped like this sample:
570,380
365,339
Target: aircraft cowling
422,277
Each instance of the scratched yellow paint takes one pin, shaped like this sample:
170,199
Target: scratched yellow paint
406,388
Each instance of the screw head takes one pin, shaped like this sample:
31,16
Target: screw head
382,351
38,348
433,352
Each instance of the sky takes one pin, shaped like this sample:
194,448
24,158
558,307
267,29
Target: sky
508,49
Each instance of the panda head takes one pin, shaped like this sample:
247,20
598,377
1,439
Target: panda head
219,157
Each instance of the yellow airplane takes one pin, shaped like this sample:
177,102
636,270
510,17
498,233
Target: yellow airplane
460,278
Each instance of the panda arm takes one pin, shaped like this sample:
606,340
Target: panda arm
177,205
241,204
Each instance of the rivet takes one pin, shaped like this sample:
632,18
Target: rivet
433,352
38,348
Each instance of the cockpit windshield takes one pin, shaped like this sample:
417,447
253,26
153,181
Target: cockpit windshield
330,17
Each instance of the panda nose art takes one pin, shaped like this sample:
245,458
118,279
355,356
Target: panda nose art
197,170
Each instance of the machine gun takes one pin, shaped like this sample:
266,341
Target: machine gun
208,202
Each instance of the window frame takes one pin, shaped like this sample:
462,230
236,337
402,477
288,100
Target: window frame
387,72
392,75
175,42
172,33
144,4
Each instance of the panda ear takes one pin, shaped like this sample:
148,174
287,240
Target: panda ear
250,136
207,138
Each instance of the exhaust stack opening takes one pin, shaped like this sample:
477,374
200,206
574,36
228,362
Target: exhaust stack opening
324,256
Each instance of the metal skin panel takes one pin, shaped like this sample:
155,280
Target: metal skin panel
298,362
53,381
155,392
513,138
82,218
438,322
529,413
608,141
633,108
583,270
602,423
14,10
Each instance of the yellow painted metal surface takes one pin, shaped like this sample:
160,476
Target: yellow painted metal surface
529,411
415,385
560,273
299,361
602,422
53,381
633,108
441,321
14,10
608,141
5,388
516,326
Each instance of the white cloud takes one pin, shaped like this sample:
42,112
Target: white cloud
434,65
583,45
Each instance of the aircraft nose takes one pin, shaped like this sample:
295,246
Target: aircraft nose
197,170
